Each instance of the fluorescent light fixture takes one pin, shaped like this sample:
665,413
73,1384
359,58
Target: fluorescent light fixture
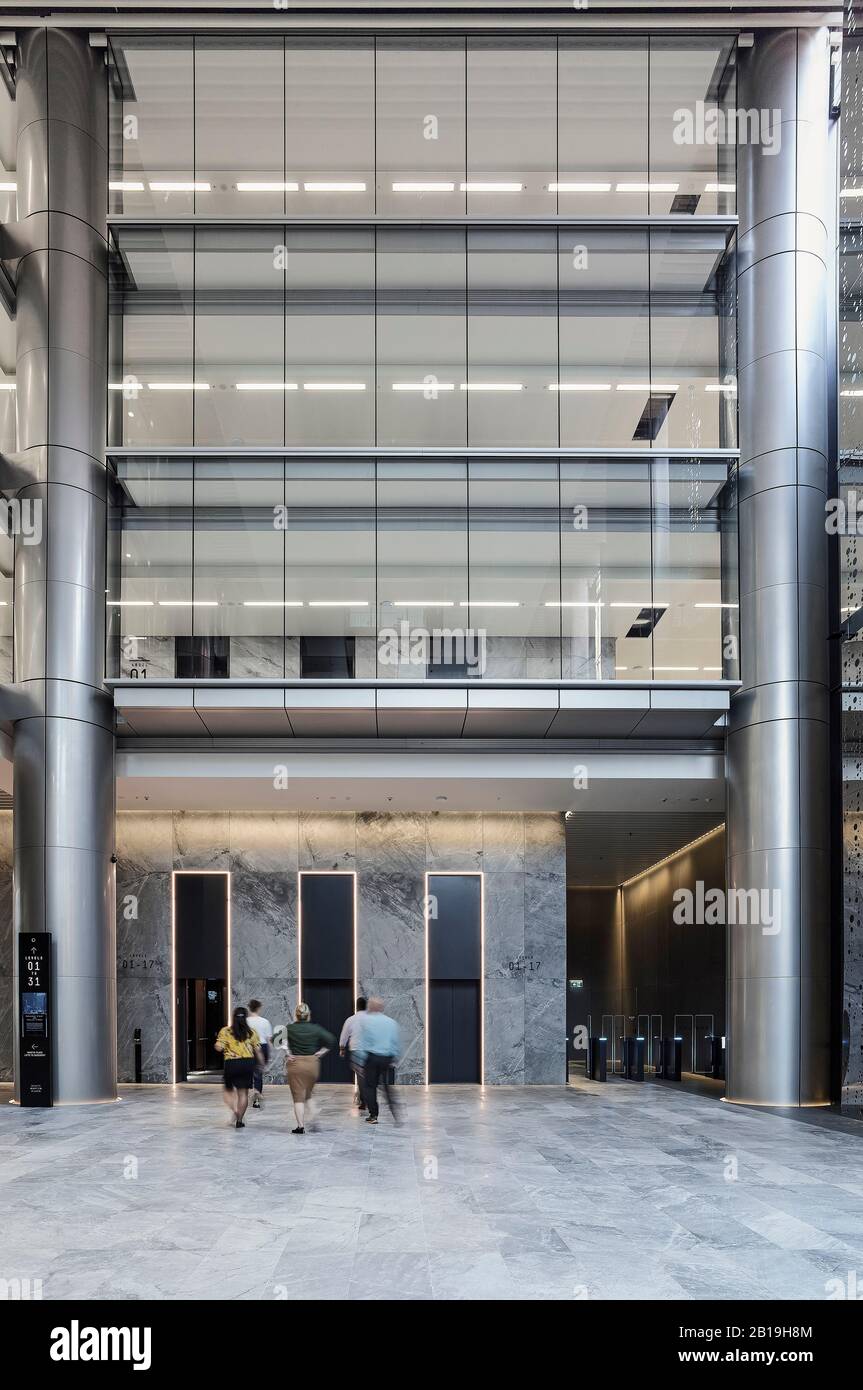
7,385
579,386
489,603
129,602
715,605
851,193
178,385
491,386
423,188
268,187
720,188
10,187
640,386
577,603
267,386
422,603
647,187
621,668
675,668
423,386
188,603
334,386
473,187
330,187
857,391
640,603
728,386
165,186
126,186
339,603
273,603
579,188
711,668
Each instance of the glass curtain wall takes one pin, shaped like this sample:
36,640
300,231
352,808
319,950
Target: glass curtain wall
252,126
529,337
574,569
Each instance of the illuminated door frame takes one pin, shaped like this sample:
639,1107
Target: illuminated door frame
458,873
320,873
225,874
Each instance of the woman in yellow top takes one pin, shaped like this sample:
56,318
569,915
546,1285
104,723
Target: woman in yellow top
242,1049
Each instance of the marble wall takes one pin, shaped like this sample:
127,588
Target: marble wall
523,859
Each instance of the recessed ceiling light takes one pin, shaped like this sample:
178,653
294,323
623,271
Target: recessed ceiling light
423,188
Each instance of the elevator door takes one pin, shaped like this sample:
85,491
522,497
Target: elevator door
454,1030
454,1021
331,1002
327,958
203,1012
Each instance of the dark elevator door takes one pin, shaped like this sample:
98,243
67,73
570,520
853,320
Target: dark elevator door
454,1035
331,1002
455,968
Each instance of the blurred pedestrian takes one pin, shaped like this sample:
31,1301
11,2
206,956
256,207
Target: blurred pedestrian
264,1030
346,1050
378,1047
307,1044
240,1048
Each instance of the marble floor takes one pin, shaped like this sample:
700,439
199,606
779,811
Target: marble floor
600,1192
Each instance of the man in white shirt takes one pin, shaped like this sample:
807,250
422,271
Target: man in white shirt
349,1030
264,1030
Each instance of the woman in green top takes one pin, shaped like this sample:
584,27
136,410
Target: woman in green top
307,1044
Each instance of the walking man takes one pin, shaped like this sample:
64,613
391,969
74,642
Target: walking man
377,1045
346,1049
264,1030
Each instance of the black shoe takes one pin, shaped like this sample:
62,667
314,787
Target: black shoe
298,1130
371,1119
241,1124
256,1103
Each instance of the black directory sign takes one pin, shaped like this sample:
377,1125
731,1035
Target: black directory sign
34,1014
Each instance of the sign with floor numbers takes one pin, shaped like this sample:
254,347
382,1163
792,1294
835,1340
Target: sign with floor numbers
34,1018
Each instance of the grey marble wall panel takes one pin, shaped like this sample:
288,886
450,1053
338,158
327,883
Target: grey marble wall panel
257,658
5,660
147,658
525,931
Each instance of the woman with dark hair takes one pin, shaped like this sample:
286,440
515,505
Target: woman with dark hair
241,1047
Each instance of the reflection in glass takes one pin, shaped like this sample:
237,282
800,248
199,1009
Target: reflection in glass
692,144
239,125
511,126
239,337
420,109
514,594
422,560
329,126
602,125
152,126
421,336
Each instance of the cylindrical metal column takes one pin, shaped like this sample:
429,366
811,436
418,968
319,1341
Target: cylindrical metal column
778,760
64,742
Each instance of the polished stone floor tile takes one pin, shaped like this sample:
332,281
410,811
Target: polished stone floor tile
512,1193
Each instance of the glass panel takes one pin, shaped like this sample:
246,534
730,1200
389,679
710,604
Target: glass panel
329,134
151,119
604,337
602,126
239,336
239,126
422,550
8,418
150,566
330,336
514,597
421,337
421,127
512,338
851,337
239,562
693,384
605,569
330,569
692,139
692,613
153,288
511,126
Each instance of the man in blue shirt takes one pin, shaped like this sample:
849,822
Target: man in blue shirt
377,1046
